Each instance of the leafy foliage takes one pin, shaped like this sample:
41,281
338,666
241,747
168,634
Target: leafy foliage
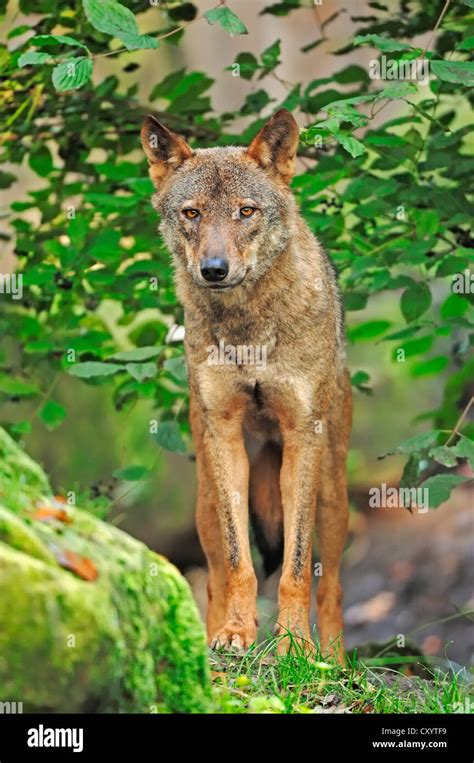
389,200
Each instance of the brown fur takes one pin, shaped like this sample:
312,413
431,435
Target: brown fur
274,434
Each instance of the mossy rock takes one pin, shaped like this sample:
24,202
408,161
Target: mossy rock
91,620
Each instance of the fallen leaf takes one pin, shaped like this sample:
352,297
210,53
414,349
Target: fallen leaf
53,508
45,512
79,565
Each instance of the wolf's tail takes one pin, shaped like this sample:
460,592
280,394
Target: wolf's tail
266,511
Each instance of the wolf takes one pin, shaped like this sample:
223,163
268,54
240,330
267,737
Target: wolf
271,439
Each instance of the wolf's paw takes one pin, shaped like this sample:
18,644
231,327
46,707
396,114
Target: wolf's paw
236,637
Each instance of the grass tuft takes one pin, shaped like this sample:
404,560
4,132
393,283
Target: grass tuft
261,681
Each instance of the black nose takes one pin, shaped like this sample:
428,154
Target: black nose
214,268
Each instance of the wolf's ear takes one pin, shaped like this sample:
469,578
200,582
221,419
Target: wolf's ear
164,149
274,147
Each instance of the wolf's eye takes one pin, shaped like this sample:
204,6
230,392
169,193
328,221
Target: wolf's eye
247,211
191,214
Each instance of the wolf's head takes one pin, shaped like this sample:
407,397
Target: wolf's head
226,212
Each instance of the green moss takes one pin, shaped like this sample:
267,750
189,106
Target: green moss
129,641
22,480
58,637
186,658
21,536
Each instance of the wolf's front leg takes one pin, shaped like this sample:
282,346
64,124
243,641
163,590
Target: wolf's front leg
299,482
228,470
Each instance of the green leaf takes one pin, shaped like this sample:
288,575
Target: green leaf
21,427
72,74
440,486
454,306
142,371
415,301
344,105
351,74
185,93
397,90
7,179
382,43
464,448
42,346
77,230
17,31
353,146
403,334
133,473
38,6
282,8
226,19
166,88
108,202
458,72
427,222
52,414
112,18
91,368
366,331
41,161
443,455
141,186
168,435
416,444
415,347
354,300
121,171
430,367
177,367
17,388
467,43
138,354
139,41
359,380
270,57
43,40
247,63
360,377
32,57
105,245
255,102
411,470
451,264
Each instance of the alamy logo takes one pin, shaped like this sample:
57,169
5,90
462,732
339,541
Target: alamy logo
12,283
11,708
384,68
463,283
46,737
240,355
385,497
